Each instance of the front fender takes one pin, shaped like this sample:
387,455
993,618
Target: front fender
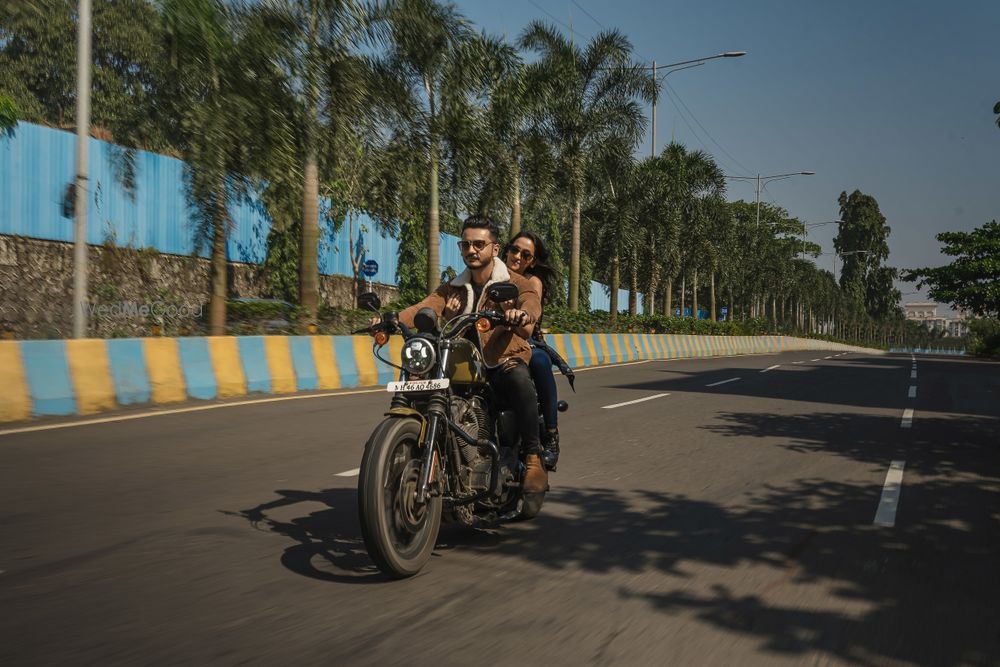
410,413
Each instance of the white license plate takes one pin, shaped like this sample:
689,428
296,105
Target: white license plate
417,385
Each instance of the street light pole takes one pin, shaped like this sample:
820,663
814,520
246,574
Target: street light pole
763,180
676,67
83,58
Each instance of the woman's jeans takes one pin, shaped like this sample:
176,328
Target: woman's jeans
545,385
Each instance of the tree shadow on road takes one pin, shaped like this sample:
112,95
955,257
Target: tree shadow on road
797,566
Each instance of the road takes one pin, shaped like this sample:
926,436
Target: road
753,521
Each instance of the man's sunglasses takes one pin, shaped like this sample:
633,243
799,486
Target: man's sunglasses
525,254
478,244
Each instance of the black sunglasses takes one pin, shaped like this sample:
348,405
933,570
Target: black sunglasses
525,254
478,244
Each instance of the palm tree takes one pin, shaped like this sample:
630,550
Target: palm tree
213,114
328,88
443,62
587,98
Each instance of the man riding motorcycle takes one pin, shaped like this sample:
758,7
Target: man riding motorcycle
505,349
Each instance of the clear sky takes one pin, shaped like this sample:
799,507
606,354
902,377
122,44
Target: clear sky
891,97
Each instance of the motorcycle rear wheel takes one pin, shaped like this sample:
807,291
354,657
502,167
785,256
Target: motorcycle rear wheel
398,532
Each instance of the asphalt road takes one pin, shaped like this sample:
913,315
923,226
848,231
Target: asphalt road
751,522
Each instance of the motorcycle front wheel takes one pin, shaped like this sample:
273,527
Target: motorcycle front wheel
399,533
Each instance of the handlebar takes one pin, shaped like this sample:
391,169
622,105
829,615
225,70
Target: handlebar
456,324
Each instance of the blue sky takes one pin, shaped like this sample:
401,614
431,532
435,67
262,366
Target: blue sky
894,98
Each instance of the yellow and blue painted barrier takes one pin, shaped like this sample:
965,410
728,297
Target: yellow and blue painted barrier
83,377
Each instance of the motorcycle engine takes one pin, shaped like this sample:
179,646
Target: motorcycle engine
471,415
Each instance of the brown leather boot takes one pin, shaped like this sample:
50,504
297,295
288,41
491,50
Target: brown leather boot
536,480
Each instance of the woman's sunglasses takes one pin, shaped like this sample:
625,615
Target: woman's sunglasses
525,255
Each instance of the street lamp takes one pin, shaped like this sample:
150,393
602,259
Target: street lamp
763,180
845,254
676,67
807,227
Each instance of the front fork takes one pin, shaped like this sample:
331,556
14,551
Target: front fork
437,418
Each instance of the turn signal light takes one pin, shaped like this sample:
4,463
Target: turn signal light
483,325
381,337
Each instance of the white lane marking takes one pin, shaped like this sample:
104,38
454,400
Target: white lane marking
176,411
913,392
798,362
828,357
638,400
348,473
907,420
770,368
885,515
817,360
716,384
913,374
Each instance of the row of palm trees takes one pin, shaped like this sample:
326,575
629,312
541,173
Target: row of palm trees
406,111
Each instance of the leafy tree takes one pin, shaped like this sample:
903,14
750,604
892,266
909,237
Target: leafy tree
443,62
9,113
972,280
588,105
863,240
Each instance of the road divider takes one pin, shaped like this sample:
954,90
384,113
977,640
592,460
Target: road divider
84,377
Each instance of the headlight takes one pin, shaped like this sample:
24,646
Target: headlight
418,356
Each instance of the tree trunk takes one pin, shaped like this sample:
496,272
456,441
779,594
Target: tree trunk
668,297
615,280
732,305
711,296
309,249
654,281
433,226
774,310
683,292
694,294
515,210
633,286
217,302
574,260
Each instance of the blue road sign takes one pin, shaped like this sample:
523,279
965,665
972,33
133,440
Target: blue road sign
370,268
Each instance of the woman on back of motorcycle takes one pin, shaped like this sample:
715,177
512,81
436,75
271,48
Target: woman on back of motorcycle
526,255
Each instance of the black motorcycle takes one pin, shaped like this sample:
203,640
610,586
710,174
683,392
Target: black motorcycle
448,449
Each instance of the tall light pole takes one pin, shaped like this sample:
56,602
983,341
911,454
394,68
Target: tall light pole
811,225
763,180
676,67
83,58
845,254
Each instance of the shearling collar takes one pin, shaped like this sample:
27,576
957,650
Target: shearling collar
464,279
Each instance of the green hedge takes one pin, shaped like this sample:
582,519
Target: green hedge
562,320
984,338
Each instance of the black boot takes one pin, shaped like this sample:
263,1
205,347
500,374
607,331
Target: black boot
550,453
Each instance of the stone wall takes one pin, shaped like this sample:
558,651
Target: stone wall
131,292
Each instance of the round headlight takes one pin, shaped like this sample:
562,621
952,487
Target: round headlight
418,356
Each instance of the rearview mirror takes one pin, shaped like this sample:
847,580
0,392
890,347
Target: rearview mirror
500,292
369,301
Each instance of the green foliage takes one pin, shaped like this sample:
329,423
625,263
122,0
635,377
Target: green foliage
972,281
863,241
563,320
984,339
281,265
411,268
9,113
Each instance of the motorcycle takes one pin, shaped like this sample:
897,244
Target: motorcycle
448,449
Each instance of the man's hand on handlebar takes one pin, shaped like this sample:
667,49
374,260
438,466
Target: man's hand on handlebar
515,317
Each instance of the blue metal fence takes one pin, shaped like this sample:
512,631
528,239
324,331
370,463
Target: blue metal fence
36,167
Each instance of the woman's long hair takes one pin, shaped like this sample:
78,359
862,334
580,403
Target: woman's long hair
542,269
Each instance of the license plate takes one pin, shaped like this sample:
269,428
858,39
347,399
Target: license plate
417,385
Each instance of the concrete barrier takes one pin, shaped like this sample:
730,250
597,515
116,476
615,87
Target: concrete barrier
83,377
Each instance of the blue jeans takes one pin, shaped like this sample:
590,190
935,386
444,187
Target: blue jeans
545,385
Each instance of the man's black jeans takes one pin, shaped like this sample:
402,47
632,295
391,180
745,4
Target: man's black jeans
514,388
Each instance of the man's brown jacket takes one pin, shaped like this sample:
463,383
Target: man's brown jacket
502,343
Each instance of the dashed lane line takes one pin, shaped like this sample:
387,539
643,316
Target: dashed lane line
913,374
638,400
349,473
913,392
907,420
716,384
770,368
885,515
